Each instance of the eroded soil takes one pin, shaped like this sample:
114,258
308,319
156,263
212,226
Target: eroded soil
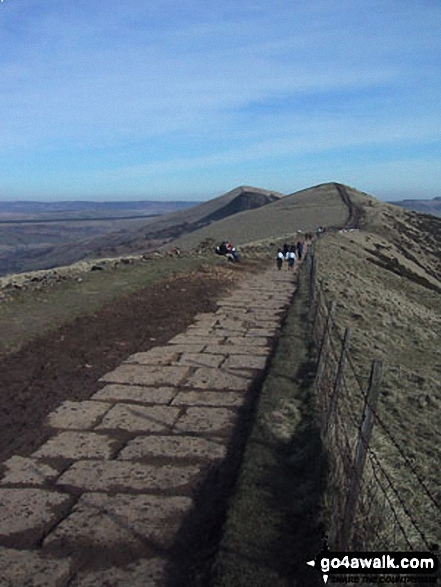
68,362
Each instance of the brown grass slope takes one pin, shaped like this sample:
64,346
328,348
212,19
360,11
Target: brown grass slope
145,235
386,281
301,211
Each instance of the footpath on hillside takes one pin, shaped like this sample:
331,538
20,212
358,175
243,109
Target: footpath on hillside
119,483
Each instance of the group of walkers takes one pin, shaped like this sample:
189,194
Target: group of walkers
289,254
227,250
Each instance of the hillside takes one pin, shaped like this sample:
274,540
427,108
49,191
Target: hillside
432,206
122,237
386,282
301,211
385,277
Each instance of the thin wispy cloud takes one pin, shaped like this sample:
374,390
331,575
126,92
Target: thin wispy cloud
100,96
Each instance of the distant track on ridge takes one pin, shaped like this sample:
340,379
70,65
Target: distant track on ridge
355,212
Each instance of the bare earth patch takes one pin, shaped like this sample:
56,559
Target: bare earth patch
67,363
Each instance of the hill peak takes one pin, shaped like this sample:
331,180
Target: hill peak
252,190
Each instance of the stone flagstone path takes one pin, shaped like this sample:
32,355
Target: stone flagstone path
116,478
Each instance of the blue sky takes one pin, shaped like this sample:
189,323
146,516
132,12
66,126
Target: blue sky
186,99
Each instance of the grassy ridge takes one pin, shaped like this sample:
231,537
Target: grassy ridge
33,313
305,211
384,281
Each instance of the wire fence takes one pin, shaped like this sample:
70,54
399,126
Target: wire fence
375,503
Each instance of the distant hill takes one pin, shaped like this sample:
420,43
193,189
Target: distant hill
142,235
432,206
52,211
304,210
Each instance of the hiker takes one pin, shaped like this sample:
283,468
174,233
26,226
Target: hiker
222,249
291,256
285,249
227,250
279,259
299,249
232,255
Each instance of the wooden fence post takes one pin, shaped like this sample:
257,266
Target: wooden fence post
312,281
338,380
362,446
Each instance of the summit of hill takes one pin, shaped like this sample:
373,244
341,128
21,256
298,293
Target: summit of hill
305,210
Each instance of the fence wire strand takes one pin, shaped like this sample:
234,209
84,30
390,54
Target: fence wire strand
339,403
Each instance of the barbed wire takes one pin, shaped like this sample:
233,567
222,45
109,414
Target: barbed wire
398,496
392,507
385,428
407,461
340,433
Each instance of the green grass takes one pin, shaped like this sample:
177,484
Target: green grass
31,313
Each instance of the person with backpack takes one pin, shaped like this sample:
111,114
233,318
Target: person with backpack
291,256
279,259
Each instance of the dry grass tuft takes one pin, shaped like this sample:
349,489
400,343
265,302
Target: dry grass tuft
386,281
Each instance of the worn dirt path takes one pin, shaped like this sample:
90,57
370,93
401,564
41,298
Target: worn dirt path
104,499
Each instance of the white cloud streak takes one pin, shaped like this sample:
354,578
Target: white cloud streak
275,80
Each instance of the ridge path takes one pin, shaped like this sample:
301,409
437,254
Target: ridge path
117,478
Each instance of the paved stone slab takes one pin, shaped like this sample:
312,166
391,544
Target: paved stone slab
77,445
206,323
155,356
201,332
146,375
262,333
137,418
204,317
211,379
269,304
236,304
226,323
201,360
259,314
77,415
245,362
209,398
24,510
269,324
184,348
27,568
127,475
115,392
142,573
206,420
25,471
245,348
188,447
226,333
248,341
189,339
121,521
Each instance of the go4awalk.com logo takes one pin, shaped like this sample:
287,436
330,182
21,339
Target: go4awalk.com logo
377,567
